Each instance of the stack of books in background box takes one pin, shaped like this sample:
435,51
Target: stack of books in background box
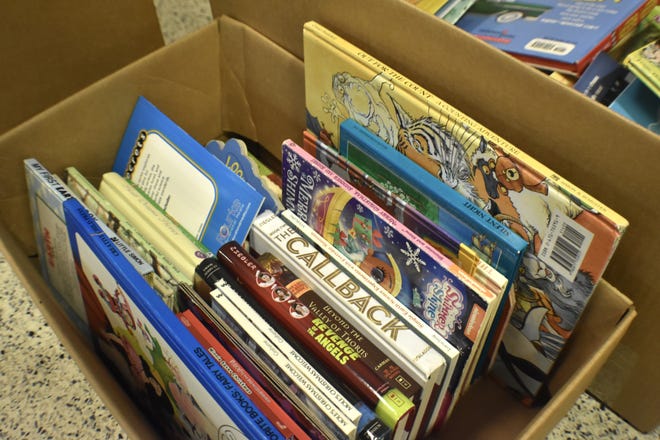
402,253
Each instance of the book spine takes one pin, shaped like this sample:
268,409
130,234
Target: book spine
152,223
277,241
167,350
411,320
326,416
220,356
392,406
452,116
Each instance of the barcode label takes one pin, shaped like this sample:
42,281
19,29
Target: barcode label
565,245
560,48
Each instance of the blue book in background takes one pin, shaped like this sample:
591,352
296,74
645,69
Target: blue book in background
201,193
158,359
639,104
604,79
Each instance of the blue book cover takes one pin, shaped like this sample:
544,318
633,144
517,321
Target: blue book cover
493,242
603,80
563,36
639,104
202,194
422,279
159,361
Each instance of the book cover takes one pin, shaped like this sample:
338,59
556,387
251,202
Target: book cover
235,155
603,80
563,36
150,350
154,224
46,194
325,343
489,238
571,236
453,10
182,177
346,304
410,321
639,104
166,275
220,285
418,275
645,64
220,358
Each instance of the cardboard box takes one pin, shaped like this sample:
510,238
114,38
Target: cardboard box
245,75
50,51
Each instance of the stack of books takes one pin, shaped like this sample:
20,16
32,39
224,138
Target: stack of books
402,253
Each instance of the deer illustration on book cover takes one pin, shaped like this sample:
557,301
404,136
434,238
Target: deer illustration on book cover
571,236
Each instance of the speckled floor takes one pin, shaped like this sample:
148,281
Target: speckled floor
45,396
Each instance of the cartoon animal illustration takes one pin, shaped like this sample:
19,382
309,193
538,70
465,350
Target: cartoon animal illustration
363,103
429,139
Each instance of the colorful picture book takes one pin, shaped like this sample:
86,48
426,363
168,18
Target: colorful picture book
452,302
563,36
210,201
150,350
571,236
645,64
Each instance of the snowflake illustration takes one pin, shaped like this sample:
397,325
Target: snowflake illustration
413,257
388,231
294,162
359,208
316,175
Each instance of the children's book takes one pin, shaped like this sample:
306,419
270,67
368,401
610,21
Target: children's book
331,292
202,194
563,36
603,80
219,357
154,224
571,236
418,275
494,242
235,155
639,104
157,359
645,64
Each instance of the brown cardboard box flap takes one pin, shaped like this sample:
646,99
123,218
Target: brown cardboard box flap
51,50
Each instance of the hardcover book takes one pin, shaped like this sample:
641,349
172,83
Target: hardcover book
563,36
418,275
184,179
571,236
327,344
645,64
219,358
294,260
494,242
150,350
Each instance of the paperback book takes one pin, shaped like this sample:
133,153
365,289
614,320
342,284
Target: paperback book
563,36
571,236
202,194
418,275
150,350
347,305
393,407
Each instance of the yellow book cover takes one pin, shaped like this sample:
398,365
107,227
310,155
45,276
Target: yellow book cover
571,235
645,64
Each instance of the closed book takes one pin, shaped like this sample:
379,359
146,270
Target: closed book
153,353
